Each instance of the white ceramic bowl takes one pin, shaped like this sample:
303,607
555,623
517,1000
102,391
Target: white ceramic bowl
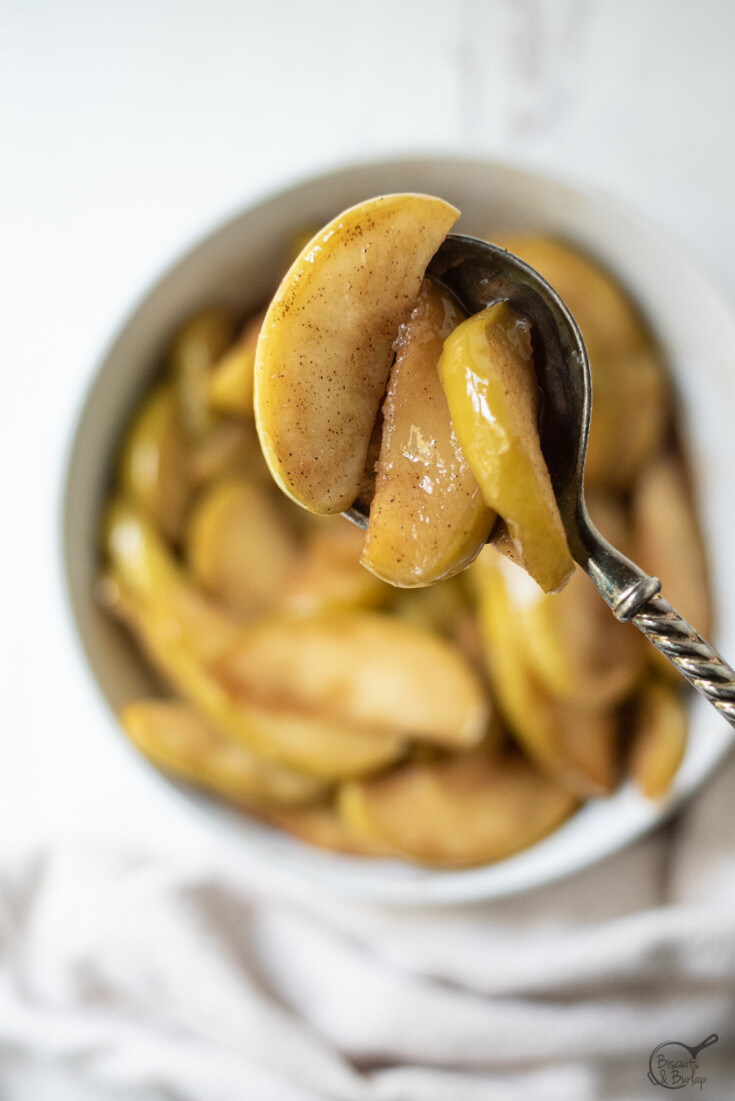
239,264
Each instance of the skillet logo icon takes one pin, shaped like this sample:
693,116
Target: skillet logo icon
673,1064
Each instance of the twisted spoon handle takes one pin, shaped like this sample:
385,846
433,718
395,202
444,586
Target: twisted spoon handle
689,653
633,595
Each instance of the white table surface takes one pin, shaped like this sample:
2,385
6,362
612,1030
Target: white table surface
128,129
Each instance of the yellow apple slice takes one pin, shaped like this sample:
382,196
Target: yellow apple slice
197,346
668,542
435,608
632,403
178,740
153,466
428,518
623,442
326,345
323,826
231,380
488,377
143,567
363,669
327,575
238,546
317,745
577,745
578,651
228,447
471,808
660,738
183,633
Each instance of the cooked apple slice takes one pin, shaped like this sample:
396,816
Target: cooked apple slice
428,518
322,825
577,745
363,669
632,403
488,376
571,643
143,566
178,740
622,444
435,608
319,746
327,576
238,546
196,347
668,542
472,808
231,380
228,448
326,345
153,467
600,306
660,738
183,633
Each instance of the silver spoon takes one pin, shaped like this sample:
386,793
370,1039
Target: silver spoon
479,274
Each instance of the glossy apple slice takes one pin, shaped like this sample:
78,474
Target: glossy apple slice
428,518
326,345
488,377
668,542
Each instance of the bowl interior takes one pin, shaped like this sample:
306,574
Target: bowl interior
239,265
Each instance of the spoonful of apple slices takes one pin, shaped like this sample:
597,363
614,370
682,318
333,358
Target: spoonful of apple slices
479,275
322,366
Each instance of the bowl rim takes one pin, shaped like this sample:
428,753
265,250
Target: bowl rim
289,859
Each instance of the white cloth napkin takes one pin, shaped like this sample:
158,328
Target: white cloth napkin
130,978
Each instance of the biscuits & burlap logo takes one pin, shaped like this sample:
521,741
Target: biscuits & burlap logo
674,1065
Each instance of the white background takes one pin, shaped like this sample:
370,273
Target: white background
127,129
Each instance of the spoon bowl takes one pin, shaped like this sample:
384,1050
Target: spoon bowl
479,274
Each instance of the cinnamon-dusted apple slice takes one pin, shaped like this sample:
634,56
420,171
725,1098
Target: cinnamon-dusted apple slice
428,518
488,376
326,345
175,738
471,808
363,669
